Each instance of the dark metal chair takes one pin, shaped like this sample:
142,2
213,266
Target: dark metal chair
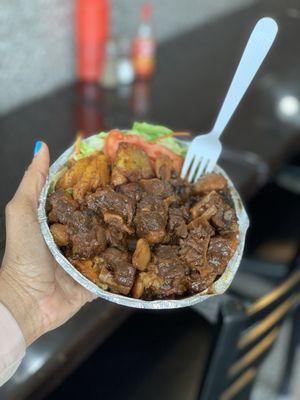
269,292
245,337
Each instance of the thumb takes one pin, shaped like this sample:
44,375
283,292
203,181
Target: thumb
35,176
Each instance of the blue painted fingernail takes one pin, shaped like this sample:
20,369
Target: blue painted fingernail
37,147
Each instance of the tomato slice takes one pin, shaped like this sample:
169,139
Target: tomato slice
154,150
111,143
115,137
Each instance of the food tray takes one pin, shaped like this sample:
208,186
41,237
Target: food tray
218,287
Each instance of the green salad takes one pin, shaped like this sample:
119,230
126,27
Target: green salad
151,133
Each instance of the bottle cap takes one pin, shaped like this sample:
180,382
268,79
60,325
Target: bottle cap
146,12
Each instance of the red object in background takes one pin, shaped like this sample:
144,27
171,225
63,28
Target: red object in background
92,20
89,112
141,93
144,45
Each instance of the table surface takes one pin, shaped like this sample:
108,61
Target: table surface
193,73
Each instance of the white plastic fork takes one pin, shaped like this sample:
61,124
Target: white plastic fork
204,151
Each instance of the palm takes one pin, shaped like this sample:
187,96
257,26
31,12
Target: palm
56,293
39,293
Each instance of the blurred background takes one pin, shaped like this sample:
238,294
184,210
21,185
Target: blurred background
82,66
38,38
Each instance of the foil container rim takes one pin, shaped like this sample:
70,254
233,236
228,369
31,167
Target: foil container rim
218,287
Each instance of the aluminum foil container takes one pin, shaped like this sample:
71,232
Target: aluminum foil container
217,288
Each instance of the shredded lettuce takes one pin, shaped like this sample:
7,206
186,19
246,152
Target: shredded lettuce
149,131
173,145
89,146
158,133
102,135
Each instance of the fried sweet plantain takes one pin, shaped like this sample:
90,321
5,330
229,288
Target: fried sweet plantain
86,175
73,174
96,175
131,164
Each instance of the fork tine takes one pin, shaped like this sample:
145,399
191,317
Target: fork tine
206,167
201,169
193,169
210,166
187,163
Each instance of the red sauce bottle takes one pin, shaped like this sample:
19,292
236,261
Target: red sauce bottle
144,45
91,34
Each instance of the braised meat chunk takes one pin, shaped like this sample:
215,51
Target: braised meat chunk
164,167
117,238
220,251
87,235
201,279
181,188
214,206
210,182
118,274
112,255
83,221
158,187
141,230
151,219
108,200
194,247
177,222
225,220
88,244
172,269
169,264
62,206
147,285
132,190
151,226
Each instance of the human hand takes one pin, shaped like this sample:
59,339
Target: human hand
35,289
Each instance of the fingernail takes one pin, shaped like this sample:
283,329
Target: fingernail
37,147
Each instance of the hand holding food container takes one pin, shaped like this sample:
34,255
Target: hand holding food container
118,218
121,218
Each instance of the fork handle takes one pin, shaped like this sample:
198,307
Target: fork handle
259,43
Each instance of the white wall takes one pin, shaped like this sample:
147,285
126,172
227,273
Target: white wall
37,39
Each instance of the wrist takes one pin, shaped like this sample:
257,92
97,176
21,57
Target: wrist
22,307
